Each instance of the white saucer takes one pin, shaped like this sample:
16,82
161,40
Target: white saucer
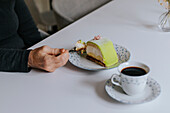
152,91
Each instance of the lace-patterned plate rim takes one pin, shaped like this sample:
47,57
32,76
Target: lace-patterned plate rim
151,92
83,63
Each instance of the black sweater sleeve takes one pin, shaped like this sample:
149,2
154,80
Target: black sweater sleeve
14,60
27,28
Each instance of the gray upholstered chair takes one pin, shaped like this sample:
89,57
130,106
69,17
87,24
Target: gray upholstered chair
68,11
42,14
43,34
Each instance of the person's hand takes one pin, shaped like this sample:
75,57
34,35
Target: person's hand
48,59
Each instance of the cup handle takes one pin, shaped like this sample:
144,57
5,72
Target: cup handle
114,81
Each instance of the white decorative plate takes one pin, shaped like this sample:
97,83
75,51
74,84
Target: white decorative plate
82,62
151,92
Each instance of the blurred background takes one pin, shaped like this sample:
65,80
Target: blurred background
53,15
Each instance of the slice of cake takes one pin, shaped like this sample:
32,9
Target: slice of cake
101,51
80,46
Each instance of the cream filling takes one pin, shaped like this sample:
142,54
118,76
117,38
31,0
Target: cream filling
94,52
79,46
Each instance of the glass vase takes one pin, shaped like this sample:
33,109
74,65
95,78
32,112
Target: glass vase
164,22
164,19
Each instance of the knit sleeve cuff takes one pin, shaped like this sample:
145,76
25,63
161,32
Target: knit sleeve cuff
24,62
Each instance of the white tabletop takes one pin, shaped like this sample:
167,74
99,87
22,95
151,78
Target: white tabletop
130,23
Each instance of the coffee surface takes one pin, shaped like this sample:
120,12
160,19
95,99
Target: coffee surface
133,71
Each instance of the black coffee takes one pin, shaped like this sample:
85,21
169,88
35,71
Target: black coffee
133,71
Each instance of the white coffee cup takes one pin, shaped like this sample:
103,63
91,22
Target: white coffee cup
132,77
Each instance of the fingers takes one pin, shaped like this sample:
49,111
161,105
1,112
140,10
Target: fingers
55,62
62,50
62,59
50,51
